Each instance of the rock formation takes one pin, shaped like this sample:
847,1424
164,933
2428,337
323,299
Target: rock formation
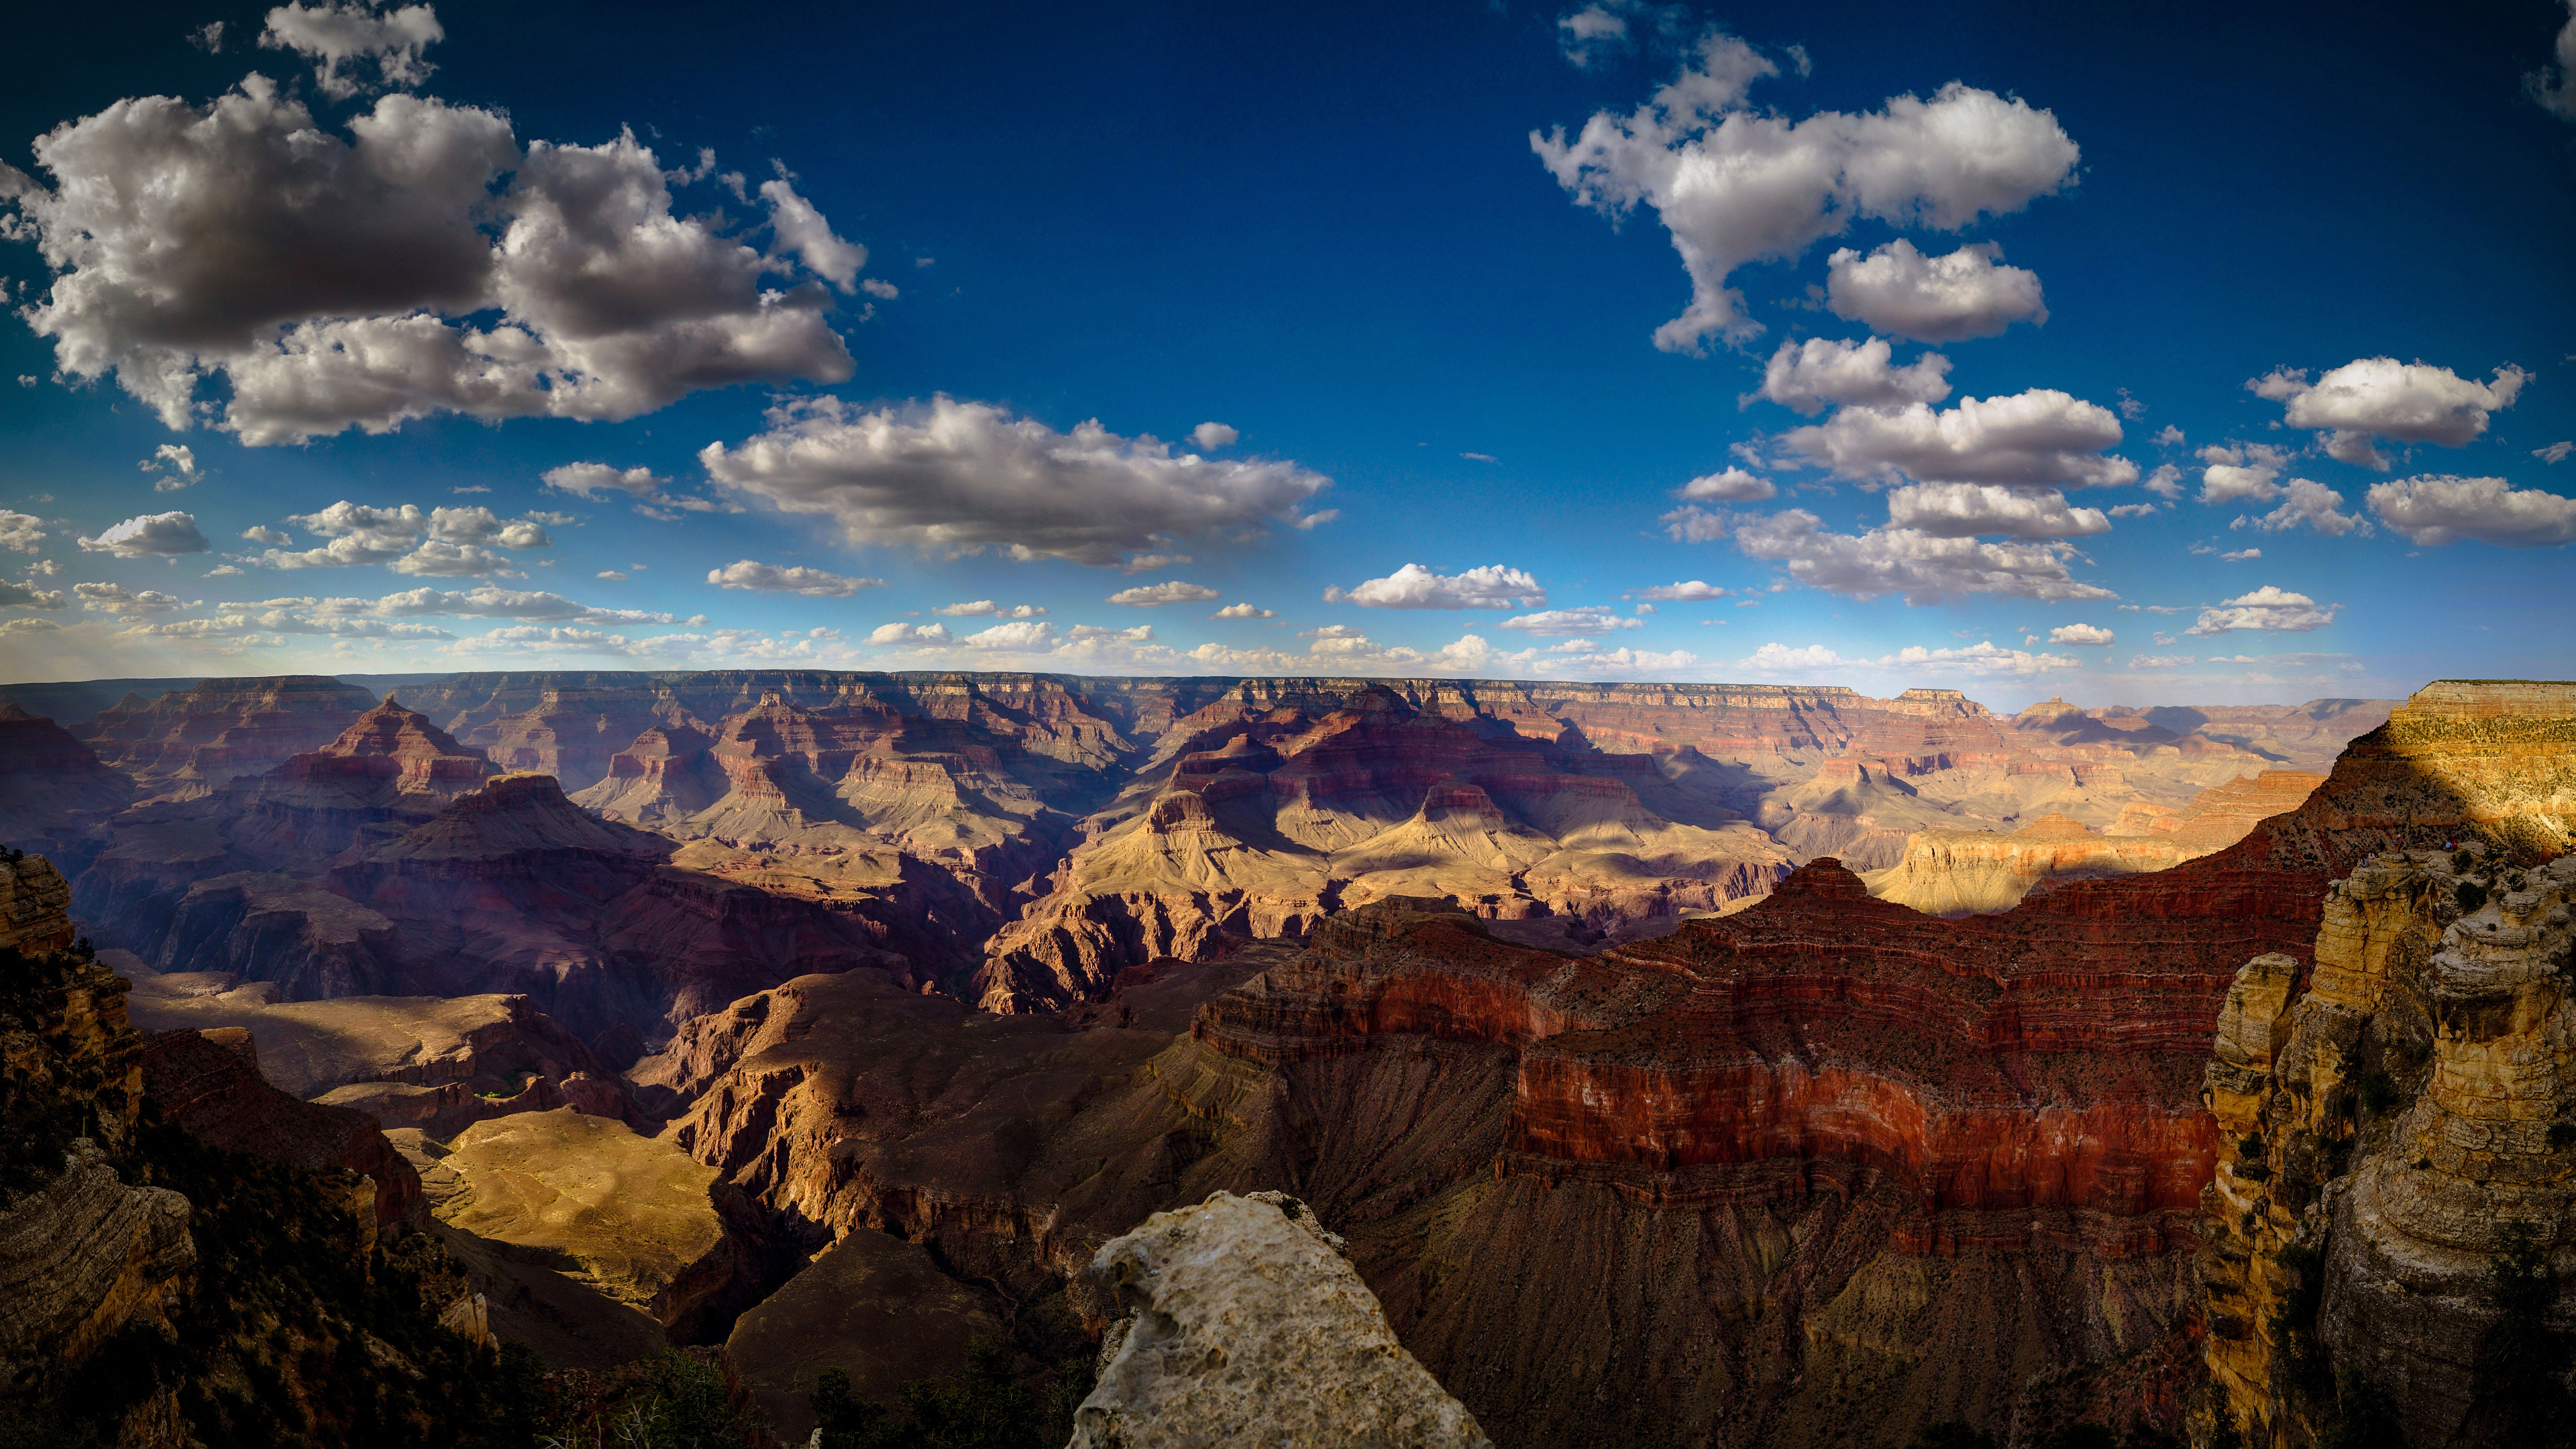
190,741
2394,1136
1960,872
208,1083
871,1305
54,791
1247,1324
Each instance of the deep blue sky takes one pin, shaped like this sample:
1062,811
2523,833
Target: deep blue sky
1326,228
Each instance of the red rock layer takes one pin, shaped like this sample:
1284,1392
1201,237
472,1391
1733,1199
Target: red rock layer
54,791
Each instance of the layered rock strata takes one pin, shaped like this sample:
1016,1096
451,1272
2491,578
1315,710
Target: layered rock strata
2396,1128
209,1084
190,741
1956,872
1246,1323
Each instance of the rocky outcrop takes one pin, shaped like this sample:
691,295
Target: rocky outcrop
387,774
209,1084
34,905
54,791
485,1044
1247,1323
81,1258
873,1306
190,741
2397,1142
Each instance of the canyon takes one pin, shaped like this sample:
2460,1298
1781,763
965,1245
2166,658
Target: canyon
1798,1051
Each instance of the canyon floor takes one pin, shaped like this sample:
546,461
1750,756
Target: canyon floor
1831,1064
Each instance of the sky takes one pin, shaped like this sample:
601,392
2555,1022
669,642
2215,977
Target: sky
2164,355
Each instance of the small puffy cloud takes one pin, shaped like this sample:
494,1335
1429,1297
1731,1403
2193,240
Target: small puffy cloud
1898,290
2313,504
1735,183
441,543
1692,592
651,492
2132,510
1923,567
2169,436
347,40
262,533
2555,452
2159,661
1805,377
1315,520
2435,511
910,634
1980,658
802,230
20,628
1171,591
2086,634
21,532
2041,437
1601,29
2241,471
1013,636
771,579
117,599
1733,485
966,477
1775,658
484,602
1964,510
1146,563
2165,482
611,574
151,535
987,609
28,596
1692,524
1492,586
2554,86
1099,633
883,291
173,466
2409,402
1212,436
1561,622
1480,457
2268,608
2240,555
1244,611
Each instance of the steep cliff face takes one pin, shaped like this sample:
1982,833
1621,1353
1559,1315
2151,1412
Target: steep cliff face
190,741
54,790
2397,1146
210,1086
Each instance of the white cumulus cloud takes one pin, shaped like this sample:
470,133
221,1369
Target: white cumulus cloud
1211,436
1491,586
966,477
1693,591
1732,485
2088,634
2406,402
1594,619
1806,376
771,579
1898,290
987,609
1921,566
2554,86
1963,510
2270,609
151,535
2314,504
1734,184
2041,437
2435,511
910,634
329,280
1244,611
345,40
21,532
1170,591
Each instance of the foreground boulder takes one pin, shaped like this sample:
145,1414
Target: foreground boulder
1249,1325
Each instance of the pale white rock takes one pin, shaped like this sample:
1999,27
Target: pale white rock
1248,1327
